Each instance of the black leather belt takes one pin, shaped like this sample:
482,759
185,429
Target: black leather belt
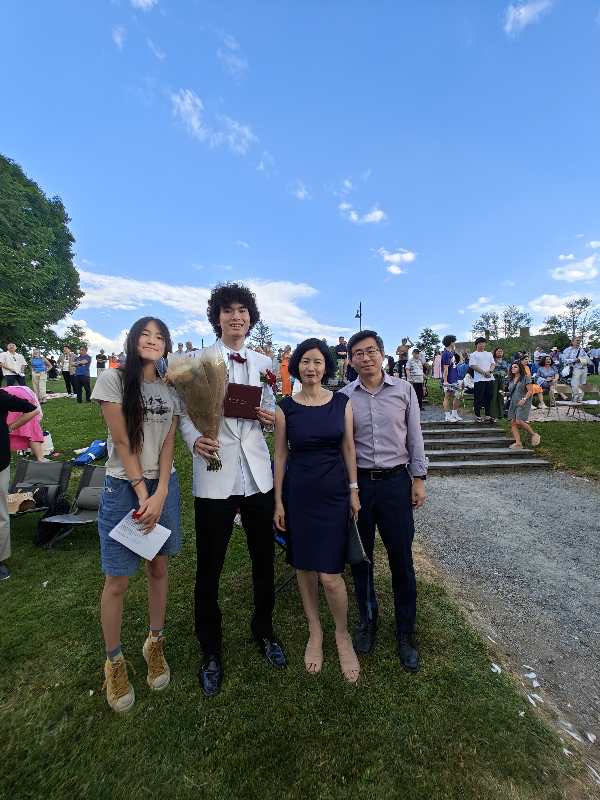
380,474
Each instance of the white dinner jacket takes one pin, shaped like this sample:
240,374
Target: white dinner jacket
250,439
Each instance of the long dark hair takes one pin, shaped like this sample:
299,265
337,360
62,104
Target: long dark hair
522,373
132,377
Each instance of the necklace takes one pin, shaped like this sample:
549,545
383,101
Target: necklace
307,399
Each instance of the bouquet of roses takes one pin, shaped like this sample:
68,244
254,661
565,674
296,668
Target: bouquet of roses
201,383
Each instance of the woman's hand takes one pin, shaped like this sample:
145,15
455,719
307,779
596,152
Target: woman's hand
279,517
354,502
205,447
150,510
521,402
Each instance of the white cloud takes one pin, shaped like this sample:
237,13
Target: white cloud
266,165
278,302
461,311
243,244
519,15
440,326
300,191
366,174
97,341
508,283
397,257
231,58
594,244
375,215
118,36
395,270
189,109
160,54
569,257
144,5
585,270
547,305
484,304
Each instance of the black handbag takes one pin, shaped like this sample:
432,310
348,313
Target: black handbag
355,551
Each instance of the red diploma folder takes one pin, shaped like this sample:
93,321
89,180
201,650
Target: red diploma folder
241,401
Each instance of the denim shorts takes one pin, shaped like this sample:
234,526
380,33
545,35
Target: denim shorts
116,500
451,388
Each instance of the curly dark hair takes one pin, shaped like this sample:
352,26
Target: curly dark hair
448,340
304,347
224,294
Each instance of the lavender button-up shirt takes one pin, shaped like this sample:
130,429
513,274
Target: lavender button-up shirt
387,425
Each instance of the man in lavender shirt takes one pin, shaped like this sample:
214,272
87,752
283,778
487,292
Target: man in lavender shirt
392,468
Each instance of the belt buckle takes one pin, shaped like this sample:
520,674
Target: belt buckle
376,475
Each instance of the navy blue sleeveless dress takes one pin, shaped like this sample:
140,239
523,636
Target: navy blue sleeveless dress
315,489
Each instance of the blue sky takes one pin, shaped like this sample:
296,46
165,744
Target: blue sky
429,159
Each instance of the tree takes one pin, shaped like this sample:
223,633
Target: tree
261,335
73,337
428,342
579,319
40,284
513,319
489,321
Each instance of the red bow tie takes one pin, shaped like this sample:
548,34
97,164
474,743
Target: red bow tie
237,357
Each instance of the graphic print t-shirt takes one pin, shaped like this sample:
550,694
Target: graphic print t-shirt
448,358
161,404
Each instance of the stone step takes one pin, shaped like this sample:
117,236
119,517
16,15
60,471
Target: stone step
459,443
479,454
452,430
482,467
441,423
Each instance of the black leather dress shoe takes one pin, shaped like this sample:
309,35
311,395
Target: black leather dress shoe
210,675
273,651
365,636
408,653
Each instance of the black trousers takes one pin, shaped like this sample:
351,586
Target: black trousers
418,387
82,382
15,380
387,505
67,380
483,394
214,525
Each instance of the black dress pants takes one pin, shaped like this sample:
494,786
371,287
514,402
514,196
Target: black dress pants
82,382
214,525
67,379
483,395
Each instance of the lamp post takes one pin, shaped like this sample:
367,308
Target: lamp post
358,316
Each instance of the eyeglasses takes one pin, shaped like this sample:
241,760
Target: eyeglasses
370,352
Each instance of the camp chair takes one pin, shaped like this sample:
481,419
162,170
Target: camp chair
84,509
51,476
591,402
576,408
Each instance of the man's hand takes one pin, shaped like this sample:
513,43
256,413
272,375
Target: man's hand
418,492
205,447
265,417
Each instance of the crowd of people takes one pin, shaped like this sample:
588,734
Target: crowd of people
346,460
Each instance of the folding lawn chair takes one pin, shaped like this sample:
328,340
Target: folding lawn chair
84,509
47,478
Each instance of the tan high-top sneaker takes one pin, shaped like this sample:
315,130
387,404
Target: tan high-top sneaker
119,692
159,674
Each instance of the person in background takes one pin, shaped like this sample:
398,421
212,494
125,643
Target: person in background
82,374
595,356
23,411
500,375
391,365
392,468
483,365
53,371
523,359
415,374
341,354
189,348
461,366
113,361
39,374
101,361
555,356
29,435
141,413
469,382
286,384
66,365
576,357
316,491
520,394
402,353
546,377
437,366
13,366
450,379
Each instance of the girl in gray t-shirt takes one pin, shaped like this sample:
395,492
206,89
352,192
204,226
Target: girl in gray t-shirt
141,413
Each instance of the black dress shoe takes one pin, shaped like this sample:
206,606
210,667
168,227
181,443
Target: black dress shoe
365,636
408,653
210,675
273,651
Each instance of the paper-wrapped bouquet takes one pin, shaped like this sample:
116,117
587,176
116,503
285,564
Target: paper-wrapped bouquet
201,383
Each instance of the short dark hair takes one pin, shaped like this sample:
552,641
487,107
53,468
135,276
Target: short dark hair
304,347
361,336
479,340
448,339
224,294
495,350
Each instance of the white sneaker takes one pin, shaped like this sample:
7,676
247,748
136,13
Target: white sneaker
456,417
448,416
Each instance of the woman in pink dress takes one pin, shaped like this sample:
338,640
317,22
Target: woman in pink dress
30,435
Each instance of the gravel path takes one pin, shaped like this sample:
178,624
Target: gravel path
524,549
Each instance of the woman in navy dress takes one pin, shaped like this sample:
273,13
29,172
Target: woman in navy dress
315,494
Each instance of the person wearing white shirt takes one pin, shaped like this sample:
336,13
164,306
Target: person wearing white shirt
244,482
577,359
13,366
482,363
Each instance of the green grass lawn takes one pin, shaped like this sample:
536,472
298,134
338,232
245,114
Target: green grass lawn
452,731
